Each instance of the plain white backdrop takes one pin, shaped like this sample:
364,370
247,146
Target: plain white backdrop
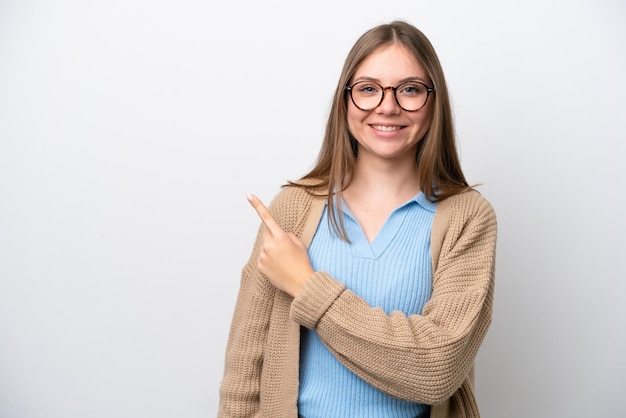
131,130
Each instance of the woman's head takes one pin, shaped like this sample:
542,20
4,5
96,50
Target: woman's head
436,156
389,111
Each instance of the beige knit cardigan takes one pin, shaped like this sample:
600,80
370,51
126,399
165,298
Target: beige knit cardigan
425,358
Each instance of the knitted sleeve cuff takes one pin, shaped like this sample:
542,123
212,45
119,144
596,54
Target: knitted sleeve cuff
318,293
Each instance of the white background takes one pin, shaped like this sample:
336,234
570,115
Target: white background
130,131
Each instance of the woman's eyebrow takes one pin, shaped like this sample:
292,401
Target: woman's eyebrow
404,80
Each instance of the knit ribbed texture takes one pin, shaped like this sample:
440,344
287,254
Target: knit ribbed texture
392,273
424,358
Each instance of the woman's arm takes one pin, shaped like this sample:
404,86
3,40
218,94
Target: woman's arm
421,358
246,352
240,387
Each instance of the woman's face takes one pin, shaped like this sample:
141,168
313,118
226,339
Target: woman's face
388,132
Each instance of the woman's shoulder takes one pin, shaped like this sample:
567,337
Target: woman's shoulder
295,194
468,214
293,203
466,205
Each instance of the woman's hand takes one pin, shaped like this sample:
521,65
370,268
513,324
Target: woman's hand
283,258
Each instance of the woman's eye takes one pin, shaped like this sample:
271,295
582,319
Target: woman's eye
369,89
412,89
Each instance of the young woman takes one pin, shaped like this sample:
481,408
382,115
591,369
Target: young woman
370,286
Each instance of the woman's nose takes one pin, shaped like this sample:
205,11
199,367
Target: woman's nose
389,103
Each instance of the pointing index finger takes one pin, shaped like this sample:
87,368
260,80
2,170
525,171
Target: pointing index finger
264,213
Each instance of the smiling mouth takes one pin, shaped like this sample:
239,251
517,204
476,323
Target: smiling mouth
385,128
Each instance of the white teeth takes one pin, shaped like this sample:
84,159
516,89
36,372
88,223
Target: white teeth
385,128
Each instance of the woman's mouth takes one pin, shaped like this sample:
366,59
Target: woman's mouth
386,128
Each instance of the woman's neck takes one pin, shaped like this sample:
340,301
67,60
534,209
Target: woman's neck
384,179
377,188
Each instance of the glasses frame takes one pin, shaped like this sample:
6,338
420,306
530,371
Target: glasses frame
395,97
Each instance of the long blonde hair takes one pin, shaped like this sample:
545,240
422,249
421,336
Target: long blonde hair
439,170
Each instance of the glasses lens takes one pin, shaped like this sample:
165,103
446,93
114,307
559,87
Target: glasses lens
411,96
366,95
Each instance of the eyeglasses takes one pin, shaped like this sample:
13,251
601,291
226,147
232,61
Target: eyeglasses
410,96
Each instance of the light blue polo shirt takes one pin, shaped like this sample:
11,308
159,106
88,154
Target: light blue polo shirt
394,272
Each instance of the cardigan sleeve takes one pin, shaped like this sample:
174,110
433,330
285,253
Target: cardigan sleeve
240,386
420,358
246,350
